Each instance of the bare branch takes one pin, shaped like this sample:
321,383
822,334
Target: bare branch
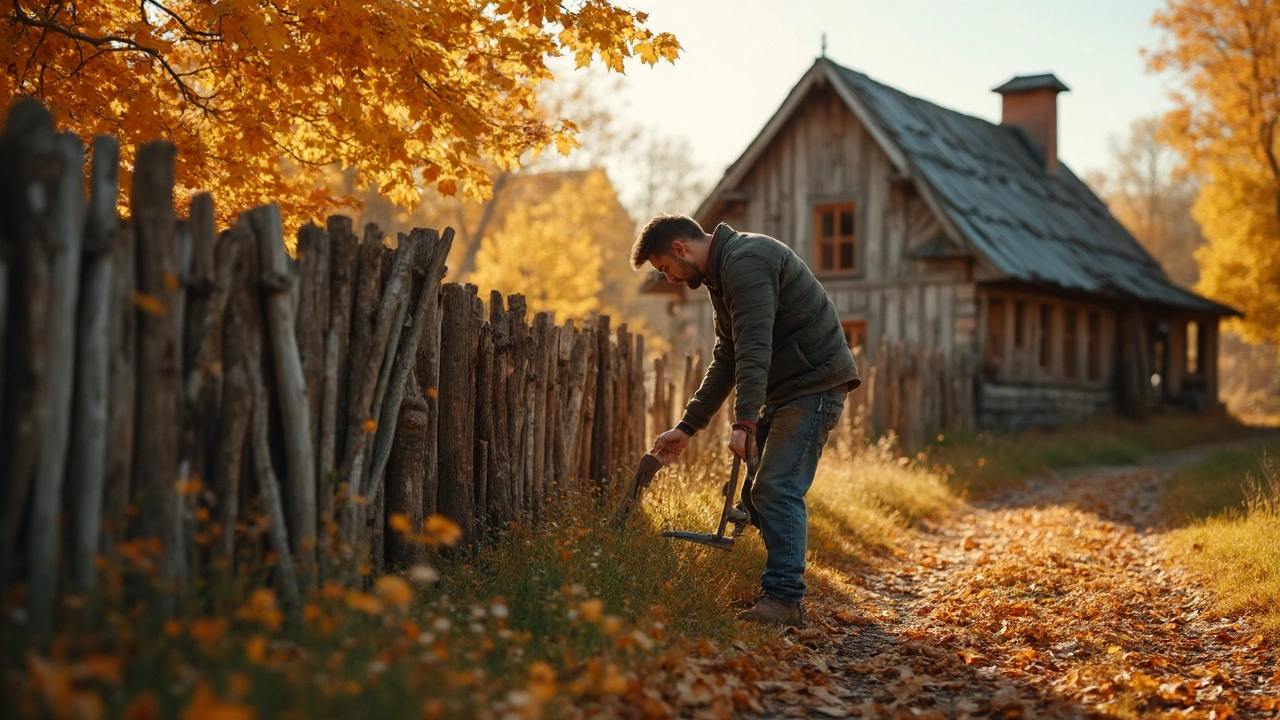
181,22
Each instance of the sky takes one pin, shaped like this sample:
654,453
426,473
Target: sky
740,58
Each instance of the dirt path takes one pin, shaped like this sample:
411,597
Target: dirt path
1055,601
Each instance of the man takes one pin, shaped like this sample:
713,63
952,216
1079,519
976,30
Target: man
780,345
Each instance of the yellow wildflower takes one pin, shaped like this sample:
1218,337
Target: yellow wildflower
208,630
262,608
367,604
443,530
207,706
542,681
256,649
592,610
400,523
393,590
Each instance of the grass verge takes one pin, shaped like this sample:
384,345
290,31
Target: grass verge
545,622
988,462
1231,500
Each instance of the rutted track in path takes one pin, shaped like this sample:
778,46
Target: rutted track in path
1054,601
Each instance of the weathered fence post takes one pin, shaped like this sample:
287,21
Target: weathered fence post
602,431
86,471
278,275
206,298
159,360
517,381
314,273
343,247
67,238
432,251
501,496
458,347
241,336
27,149
484,427
366,367
122,398
407,465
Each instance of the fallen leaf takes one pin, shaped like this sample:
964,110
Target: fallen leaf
1006,698
778,686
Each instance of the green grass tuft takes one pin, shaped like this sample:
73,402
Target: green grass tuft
985,463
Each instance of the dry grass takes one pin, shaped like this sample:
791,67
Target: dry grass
861,502
563,614
1235,543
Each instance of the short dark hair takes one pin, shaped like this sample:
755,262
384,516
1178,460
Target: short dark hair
660,233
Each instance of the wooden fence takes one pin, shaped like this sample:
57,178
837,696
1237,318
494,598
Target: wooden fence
910,391
175,389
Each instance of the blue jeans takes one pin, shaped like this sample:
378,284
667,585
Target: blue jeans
789,440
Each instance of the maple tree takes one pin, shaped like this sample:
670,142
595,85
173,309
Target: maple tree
408,93
1224,124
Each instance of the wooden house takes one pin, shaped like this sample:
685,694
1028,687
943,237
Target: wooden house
932,227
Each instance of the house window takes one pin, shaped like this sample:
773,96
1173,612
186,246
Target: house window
835,240
1046,338
1193,348
1094,338
1070,333
995,335
855,333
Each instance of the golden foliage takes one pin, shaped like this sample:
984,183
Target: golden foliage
550,250
1227,53
1239,265
410,93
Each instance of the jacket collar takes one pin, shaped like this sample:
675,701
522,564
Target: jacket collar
718,239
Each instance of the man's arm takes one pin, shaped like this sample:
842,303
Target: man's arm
716,384
751,285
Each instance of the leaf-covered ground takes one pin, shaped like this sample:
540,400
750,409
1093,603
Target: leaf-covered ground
1054,601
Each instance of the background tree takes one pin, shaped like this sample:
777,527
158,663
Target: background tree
1153,201
1146,192
436,92
549,249
1226,53
668,179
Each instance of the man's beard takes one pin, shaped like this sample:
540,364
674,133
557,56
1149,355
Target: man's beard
693,277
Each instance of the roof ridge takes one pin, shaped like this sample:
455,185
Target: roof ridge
917,98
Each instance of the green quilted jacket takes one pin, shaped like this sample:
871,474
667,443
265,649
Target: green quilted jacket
777,333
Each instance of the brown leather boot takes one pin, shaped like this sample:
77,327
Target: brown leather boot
769,610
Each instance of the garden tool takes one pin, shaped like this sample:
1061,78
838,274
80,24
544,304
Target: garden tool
649,466
730,514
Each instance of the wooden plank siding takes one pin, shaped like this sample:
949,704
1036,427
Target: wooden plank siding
824,155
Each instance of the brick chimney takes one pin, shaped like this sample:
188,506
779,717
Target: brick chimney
1031,104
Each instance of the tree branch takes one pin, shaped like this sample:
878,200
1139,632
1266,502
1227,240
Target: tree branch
34,20
181,22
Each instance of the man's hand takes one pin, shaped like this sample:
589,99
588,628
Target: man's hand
738,443
668,446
